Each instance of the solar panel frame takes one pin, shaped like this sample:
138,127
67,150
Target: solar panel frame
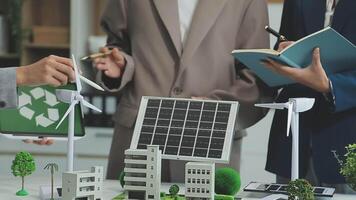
175,119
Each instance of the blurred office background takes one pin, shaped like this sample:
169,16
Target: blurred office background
32,29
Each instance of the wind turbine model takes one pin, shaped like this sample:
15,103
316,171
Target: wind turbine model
73,97
294,106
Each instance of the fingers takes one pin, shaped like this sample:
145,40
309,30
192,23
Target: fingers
316,57
280,68
118,57
66,71
284,45
60,77
43,141
50,80
65,61
104,49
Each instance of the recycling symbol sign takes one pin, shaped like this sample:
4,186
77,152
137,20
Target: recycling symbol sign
27,111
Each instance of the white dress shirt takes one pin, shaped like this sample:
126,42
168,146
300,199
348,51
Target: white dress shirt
186,10
329,14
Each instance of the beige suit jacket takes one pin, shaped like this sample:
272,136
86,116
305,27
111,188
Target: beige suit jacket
157,64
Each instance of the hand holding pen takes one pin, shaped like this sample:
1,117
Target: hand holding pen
283,41
111,62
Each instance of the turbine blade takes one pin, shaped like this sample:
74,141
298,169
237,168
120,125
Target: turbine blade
71,107
91,106
76,72
290,111
279,106
91,83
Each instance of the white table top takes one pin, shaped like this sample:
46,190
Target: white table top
9,185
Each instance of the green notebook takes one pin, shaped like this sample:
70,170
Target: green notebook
38,113
336,52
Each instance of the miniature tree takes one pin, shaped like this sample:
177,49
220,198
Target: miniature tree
23,165
53,167
173,191
300,189
348,166
227,181
121,179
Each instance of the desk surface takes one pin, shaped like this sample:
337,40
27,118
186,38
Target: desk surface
9,185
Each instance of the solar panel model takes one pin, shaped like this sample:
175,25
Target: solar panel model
186,129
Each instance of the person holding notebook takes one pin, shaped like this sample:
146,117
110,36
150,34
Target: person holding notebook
175,49
52,70
330,125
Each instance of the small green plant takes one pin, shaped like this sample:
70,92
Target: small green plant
223,197
173,191
23,165
121,179
227,181
300,189
348,165
52,167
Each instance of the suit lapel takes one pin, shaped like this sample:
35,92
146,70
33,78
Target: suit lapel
205,15
314,15
342,12
168,11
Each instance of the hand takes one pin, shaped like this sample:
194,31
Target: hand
312,76
112,65
41,141
52,70
284,45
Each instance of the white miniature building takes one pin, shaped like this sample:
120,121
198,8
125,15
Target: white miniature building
83,184
143,173
199,180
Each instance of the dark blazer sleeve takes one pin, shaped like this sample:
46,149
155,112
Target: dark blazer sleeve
8,91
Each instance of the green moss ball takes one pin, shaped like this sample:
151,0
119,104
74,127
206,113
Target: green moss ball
227,181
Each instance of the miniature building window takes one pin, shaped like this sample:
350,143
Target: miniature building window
188,189
193,180
80,189
151,167
207,181
198,181
203,181
152,159
198,171
151,185
193,171
203,190
203,171
152,150
207,191
198,190
189,180
193,190
151,196
207,171
189,171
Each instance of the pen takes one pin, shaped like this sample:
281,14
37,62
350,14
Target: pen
96,55
275,33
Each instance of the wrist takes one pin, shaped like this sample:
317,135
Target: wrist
326,88
21,77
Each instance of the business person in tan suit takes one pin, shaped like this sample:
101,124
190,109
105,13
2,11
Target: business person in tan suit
180,49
